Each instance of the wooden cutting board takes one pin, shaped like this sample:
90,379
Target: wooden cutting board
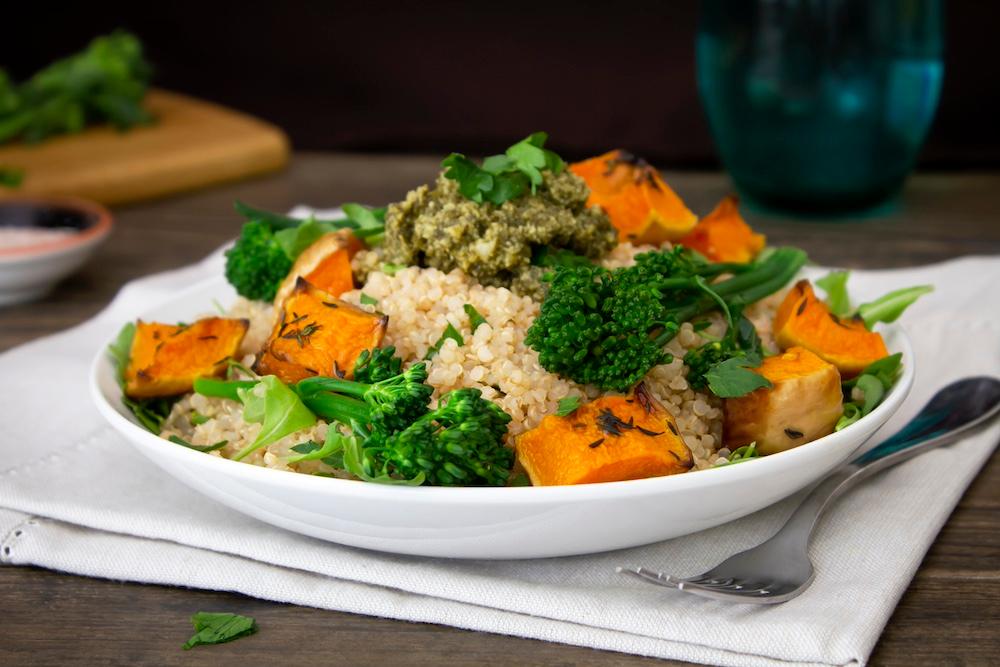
192,144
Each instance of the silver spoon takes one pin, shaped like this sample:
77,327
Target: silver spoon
779,569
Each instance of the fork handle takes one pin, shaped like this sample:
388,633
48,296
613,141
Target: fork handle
937,424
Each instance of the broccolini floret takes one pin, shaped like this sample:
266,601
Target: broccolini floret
609,327
256,264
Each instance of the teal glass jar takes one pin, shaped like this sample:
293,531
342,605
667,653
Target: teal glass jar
819,105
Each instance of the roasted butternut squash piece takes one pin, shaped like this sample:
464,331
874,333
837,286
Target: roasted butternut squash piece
640,205
802,319
165,359
326,264
318,334
803,404
723,235
608,440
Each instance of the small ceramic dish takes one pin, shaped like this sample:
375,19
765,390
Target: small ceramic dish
43,240
487,522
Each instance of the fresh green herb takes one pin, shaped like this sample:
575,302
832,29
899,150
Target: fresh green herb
370,221
197,419
390,269
106,82
367,300
150,412
311,451
835,286
886,369
733,377
449,332
177,440
277,408
741,454
889,307
475,317
519,479
11,177
609,327
306,447
872,390
504,177
852,413
568,406
216,628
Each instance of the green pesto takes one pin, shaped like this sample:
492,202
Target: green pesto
440,228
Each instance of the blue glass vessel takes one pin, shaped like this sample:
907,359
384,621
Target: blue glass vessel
819,105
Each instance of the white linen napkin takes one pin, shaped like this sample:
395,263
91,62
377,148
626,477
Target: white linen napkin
75,497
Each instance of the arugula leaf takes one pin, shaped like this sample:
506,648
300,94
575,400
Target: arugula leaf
733,376
741,455
311,451
568,406
279,410
889,307
216,628
885,369
296,239
873,391
367,300
177,440
852,413
11,177
449,332
835,286
367,218
475,317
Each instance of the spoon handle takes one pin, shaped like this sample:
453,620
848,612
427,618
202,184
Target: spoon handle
953,411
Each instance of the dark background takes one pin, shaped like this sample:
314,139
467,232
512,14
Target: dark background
440,76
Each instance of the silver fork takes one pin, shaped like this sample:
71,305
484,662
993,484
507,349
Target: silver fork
779,569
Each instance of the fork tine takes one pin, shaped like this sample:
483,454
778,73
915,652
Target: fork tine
651,576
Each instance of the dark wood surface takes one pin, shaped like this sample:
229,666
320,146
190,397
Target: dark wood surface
949,615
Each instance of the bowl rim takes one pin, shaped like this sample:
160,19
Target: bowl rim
92,234
716,476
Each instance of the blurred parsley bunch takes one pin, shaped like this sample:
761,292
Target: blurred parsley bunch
104,83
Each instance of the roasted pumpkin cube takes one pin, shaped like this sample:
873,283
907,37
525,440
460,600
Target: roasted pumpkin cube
803,320
318,334
165,359
639,203
803,404
724,236
326,264
612,439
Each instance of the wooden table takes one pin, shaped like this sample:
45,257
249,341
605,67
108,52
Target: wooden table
949,615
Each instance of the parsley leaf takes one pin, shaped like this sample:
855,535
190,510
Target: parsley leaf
733,376
449,332
216,628
475,317
504,177
568,406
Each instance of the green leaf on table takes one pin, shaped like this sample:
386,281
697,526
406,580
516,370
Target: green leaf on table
889,307
277,408
733,377
835,286
216,628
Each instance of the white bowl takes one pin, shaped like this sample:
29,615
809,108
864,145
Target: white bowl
494,523
27,272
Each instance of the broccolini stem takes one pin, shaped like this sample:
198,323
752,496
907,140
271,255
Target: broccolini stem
334,407
222,388
341,386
